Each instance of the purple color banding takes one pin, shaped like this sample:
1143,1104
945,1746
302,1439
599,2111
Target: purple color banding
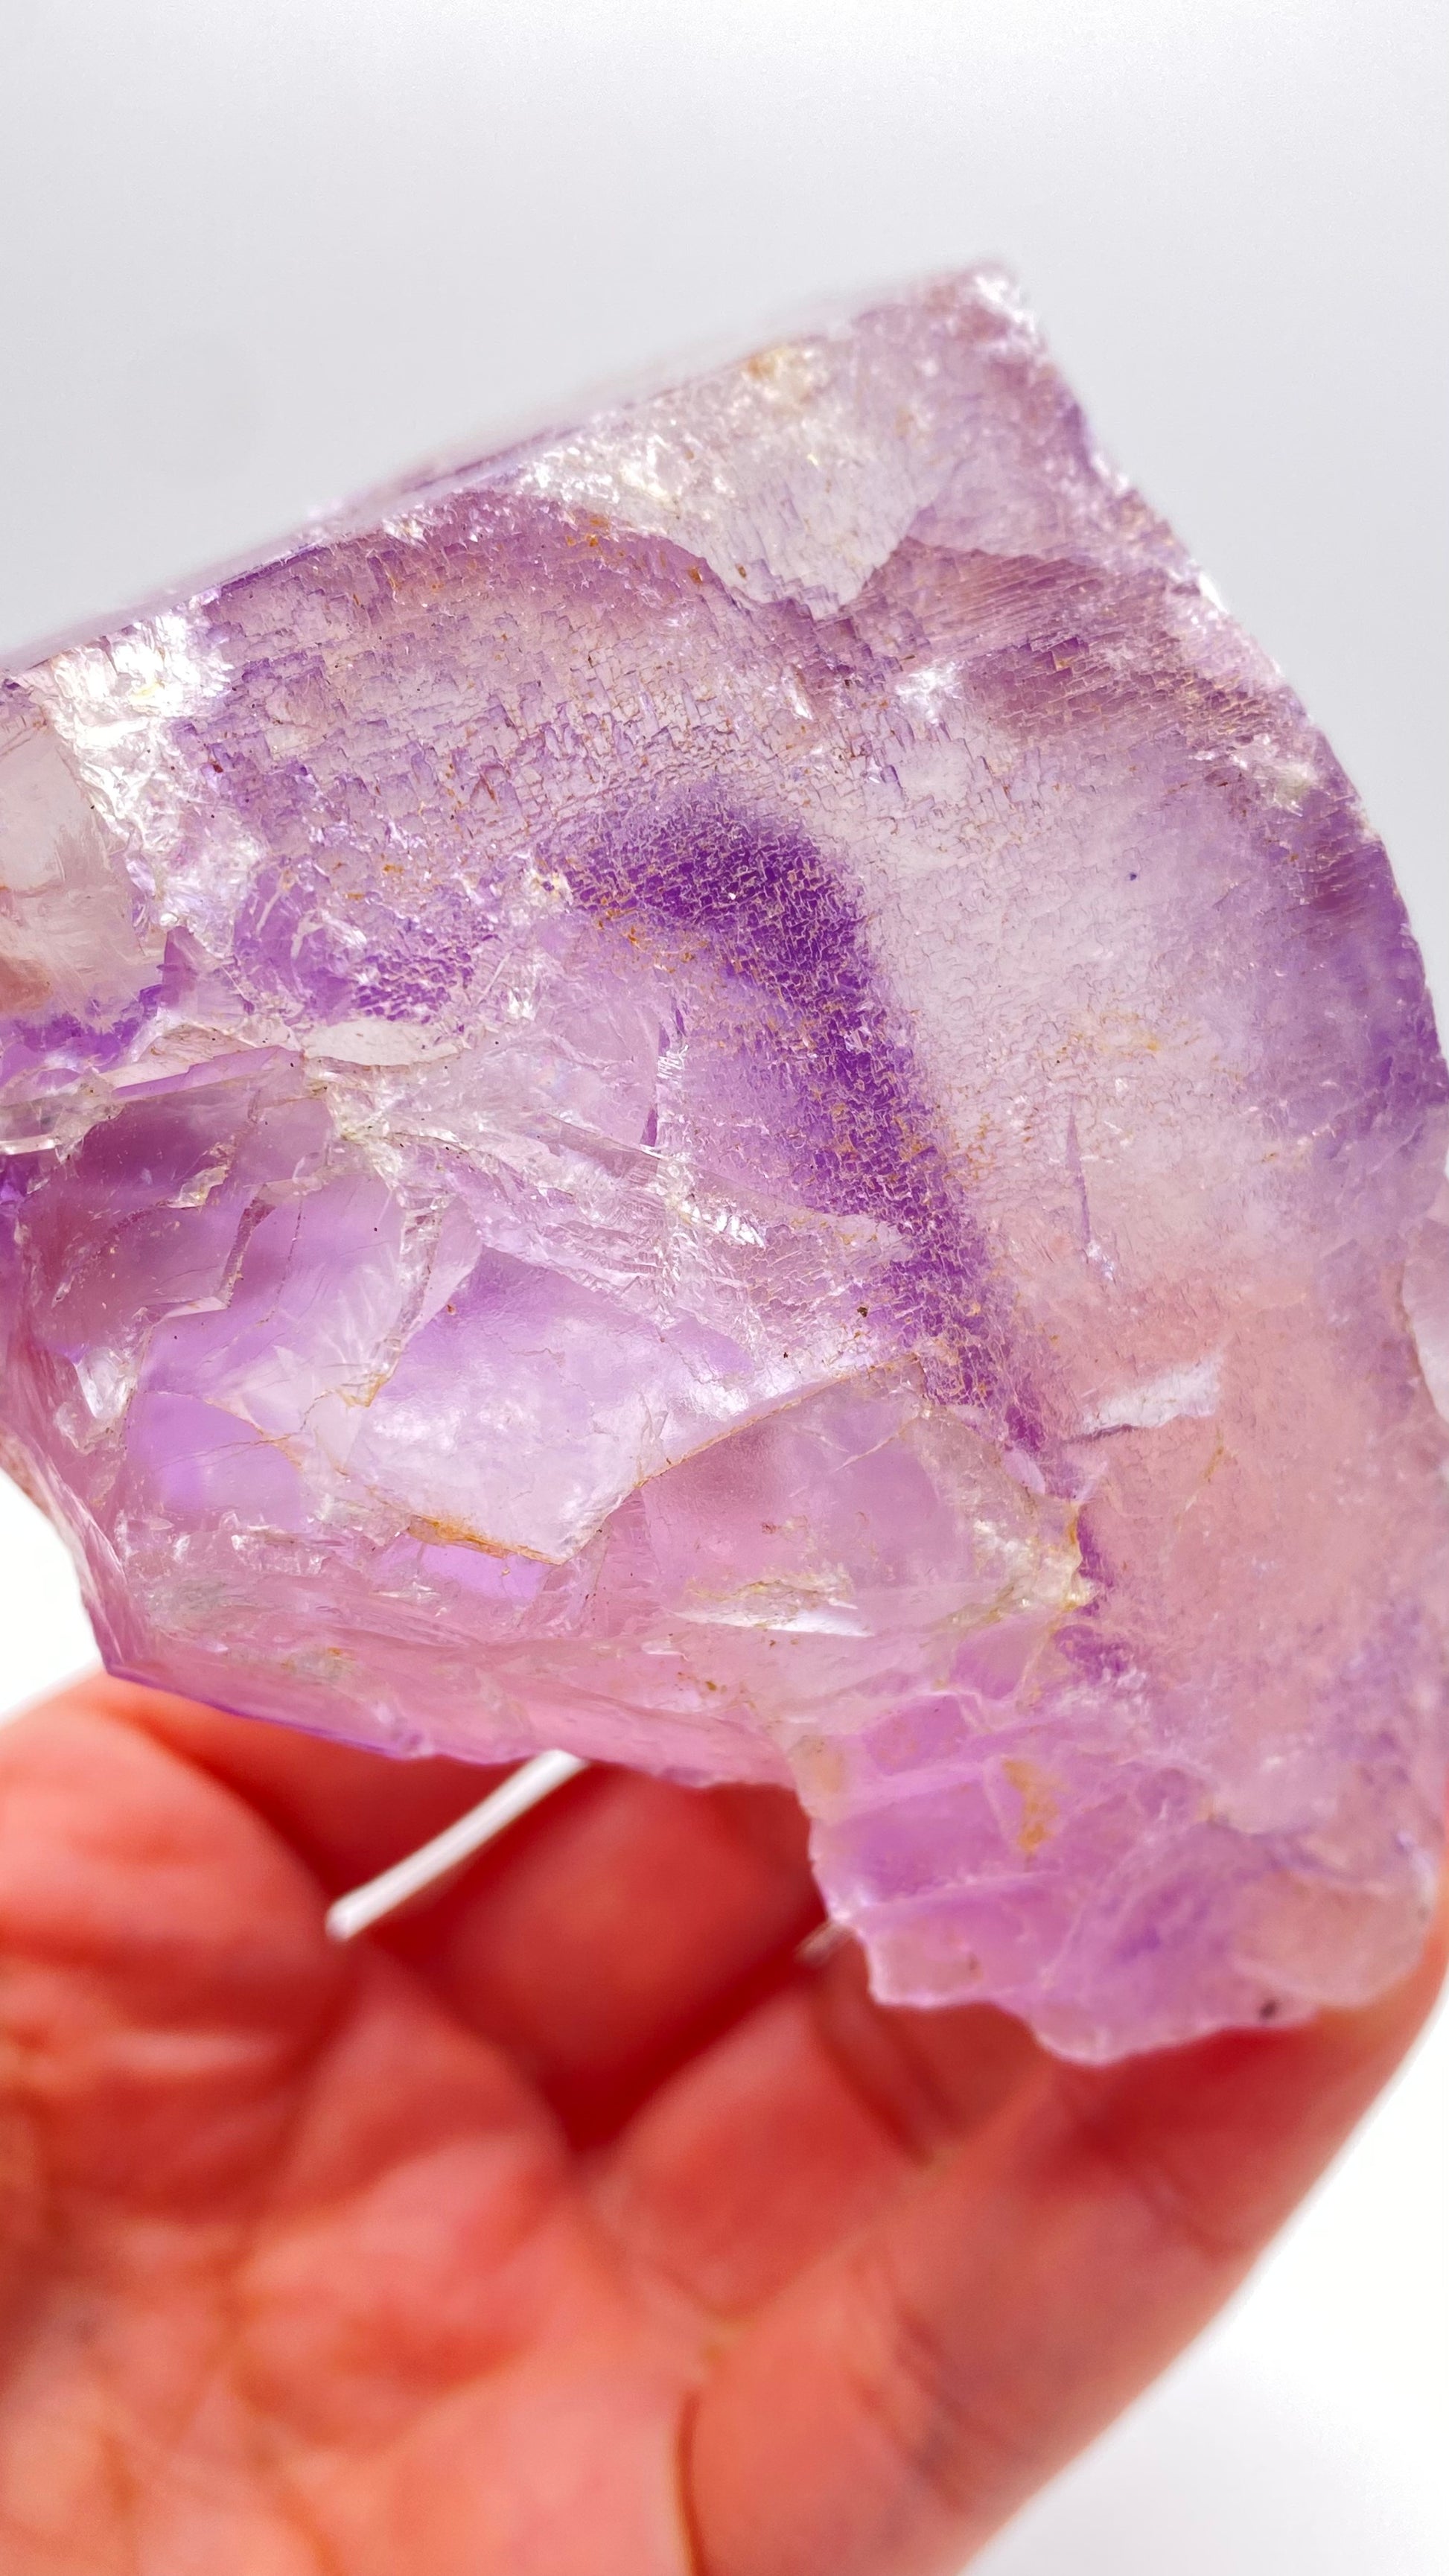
741,1092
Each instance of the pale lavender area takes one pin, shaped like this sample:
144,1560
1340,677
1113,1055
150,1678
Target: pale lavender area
741,1092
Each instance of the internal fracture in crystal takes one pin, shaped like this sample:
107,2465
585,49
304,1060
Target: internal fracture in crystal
739,1092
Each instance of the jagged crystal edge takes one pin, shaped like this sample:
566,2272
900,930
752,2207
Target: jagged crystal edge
741,1092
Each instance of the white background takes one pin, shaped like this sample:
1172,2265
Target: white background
258,252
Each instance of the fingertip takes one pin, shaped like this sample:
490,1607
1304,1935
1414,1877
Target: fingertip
1234,2129
345,1809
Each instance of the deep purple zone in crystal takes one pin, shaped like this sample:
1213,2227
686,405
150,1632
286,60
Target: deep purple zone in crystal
761,902
741,1092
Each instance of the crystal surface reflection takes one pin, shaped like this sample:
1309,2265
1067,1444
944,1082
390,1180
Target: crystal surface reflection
740,1092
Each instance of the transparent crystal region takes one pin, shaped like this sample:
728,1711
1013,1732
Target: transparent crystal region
739,1091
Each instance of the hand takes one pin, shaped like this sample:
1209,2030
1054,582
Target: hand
572,2227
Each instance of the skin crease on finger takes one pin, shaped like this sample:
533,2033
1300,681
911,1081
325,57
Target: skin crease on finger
572,2226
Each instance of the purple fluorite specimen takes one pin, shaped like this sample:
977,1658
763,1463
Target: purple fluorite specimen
740,1091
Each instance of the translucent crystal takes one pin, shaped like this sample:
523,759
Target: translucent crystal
738,1091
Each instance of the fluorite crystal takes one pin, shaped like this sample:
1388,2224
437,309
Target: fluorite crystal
740,1092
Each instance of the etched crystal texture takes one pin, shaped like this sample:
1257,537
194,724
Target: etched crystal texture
739,1091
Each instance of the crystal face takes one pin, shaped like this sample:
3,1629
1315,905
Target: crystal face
740,1092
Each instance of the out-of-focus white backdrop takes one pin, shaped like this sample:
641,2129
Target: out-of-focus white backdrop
259,252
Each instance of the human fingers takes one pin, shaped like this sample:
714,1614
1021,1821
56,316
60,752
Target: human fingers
799,2125
607,1935
347,1812
889,2409
164,1976
617,1937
